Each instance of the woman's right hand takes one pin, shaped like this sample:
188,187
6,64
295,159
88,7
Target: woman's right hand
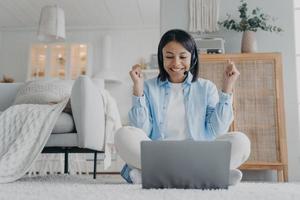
138,80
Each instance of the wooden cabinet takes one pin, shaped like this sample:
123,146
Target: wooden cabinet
258,106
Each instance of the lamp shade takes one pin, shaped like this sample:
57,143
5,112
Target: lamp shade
52,24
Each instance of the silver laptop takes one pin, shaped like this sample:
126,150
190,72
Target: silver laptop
185,164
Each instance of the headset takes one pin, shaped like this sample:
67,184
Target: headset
193,61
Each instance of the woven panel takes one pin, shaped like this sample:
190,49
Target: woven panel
255,108
254,104
213,71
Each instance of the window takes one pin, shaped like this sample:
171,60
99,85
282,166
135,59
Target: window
64,61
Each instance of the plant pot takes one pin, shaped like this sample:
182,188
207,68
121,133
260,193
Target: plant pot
249,44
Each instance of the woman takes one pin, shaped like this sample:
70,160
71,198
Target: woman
177,105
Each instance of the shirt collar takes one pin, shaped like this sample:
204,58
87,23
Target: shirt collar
187,81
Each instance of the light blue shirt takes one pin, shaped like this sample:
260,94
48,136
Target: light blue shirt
209,112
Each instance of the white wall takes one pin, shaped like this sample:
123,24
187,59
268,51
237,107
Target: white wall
0,48
174,14
128,45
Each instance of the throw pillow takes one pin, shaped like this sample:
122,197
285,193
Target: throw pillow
44,91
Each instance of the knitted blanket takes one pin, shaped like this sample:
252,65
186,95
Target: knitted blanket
24,131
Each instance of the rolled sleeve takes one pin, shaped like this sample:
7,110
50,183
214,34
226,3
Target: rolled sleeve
139,101
225,97
139,114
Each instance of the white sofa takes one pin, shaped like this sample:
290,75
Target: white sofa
81,132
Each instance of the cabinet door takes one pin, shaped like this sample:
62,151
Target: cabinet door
257,108
58,61
78,60
37,59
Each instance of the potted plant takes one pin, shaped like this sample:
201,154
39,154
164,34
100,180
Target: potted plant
249,24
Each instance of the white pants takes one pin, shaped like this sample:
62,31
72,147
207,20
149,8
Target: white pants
128,139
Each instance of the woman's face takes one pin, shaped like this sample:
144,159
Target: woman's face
177,61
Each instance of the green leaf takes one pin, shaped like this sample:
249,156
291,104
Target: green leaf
253,22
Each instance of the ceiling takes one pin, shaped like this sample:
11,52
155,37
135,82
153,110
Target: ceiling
24,14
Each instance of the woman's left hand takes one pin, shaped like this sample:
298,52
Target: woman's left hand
231,74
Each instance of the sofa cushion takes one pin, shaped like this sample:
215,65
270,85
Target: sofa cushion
64,124
62,140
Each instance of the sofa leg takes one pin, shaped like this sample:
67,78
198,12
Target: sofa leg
66,171
95,164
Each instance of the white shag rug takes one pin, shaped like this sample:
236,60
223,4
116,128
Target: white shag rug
71,187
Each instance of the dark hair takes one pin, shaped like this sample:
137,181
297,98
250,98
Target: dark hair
187,42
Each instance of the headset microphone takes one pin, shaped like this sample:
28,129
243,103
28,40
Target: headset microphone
194,60
191,68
